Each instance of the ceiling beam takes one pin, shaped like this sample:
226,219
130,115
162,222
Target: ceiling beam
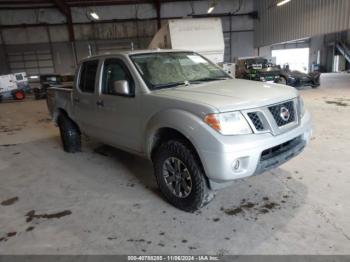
65,10
77,3
23,2
63,7
26,7
158,6
124,20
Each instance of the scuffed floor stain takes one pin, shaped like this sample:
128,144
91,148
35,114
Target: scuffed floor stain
232,211
253,209
11,234
112,238
337,103
8,235
31,215
44,120
30,229
136,240
9,201
8,145
4,129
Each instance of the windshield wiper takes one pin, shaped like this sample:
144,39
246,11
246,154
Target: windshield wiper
169,85
208,79
187,83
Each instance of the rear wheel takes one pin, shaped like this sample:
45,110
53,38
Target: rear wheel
180,176
70,134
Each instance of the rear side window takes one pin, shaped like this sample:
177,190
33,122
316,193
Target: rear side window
88,76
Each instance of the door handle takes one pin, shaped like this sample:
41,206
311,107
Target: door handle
76,99
100,103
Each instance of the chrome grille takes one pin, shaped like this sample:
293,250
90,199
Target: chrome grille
259,126
283,113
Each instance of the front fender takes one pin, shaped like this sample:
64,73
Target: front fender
179,120
191,126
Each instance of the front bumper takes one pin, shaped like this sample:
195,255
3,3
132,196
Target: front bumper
256,153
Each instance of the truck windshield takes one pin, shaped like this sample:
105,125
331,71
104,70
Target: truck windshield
171,69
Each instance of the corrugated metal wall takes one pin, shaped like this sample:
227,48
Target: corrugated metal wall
299,19
107,35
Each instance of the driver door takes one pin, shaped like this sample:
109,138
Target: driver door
118,114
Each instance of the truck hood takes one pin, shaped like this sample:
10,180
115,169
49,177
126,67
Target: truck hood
232,94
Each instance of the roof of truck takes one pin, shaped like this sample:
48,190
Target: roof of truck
134,52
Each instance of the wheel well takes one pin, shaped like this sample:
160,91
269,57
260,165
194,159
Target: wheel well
61,111
166,134
57,113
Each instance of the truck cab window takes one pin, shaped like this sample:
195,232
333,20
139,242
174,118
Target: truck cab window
88,76
114,70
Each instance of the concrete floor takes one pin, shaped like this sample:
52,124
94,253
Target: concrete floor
104,201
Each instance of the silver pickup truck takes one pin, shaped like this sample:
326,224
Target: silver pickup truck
200,128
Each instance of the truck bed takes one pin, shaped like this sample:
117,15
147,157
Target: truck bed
59,97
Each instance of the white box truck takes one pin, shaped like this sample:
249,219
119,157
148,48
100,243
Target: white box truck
202,35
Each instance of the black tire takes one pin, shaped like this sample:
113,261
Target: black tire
199,194
70,134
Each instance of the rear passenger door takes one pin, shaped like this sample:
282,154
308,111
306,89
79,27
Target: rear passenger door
85,97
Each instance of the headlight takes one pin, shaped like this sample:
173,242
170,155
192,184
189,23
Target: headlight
301,106
232,123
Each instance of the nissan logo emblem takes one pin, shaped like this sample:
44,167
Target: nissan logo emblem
284,113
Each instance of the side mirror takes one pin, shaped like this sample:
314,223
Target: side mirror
121,87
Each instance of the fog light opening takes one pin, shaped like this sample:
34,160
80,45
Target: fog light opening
236,165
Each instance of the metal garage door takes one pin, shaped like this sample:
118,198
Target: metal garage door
31,62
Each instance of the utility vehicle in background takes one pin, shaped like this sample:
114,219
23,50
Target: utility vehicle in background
14,86
40,85
260,69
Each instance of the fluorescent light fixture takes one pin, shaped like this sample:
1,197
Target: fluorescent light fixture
34,77
211,7
94,15
283,2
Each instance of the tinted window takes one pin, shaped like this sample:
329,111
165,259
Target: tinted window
88,76
114,70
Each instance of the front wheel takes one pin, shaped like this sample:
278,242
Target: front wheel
180,176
